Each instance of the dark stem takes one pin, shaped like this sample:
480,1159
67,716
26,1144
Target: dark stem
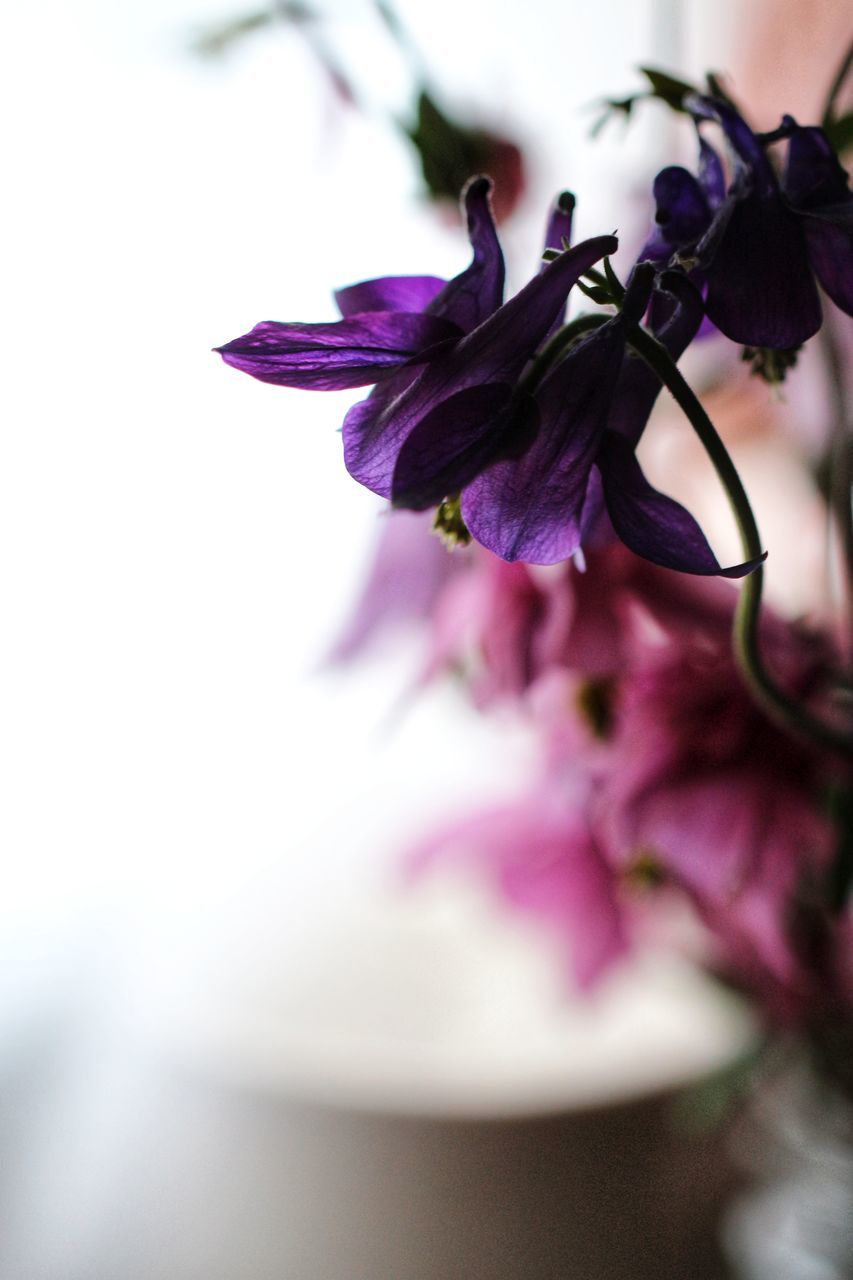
783,709
836,87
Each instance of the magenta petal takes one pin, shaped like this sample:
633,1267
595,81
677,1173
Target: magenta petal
531,507
451,445
654,526
548,866
331,357
389,293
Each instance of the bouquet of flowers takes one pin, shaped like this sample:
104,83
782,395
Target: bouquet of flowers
696,747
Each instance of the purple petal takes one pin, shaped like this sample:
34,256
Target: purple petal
747,149
389,293
651,524
407,574
831,256
813,175
675,315
451,444
496,352
559,228
331,357
558,234
712,177
682,213
531,507
473,295
760,287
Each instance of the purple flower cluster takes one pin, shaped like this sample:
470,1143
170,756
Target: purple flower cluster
525,429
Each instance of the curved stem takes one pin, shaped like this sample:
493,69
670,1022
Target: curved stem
785,710
836,87
555,347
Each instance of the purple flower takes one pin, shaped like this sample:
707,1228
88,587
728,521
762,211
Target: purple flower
446,359
758,246
390,326
578,469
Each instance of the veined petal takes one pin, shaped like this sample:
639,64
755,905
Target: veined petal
451,444
654,526
330,357
530,507
388,293
760,287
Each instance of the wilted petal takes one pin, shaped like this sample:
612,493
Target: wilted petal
760,287
451,444
530,507
331,357
389,293
651,524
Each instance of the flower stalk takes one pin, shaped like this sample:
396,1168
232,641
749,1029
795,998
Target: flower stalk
784,710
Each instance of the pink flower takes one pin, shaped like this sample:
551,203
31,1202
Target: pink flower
726,804
544,858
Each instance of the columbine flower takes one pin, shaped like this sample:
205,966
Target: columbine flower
446,359
390,327
577,467
758,246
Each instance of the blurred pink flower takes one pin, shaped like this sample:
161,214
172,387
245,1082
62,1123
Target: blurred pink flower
545,859
725,804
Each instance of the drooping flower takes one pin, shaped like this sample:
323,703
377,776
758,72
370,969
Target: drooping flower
390,327
757,246
542,501
445,357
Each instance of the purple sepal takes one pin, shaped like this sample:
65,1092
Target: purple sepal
831,255
760,290
495,352
530,507
452,443
469,298
388,293
654,526
331,357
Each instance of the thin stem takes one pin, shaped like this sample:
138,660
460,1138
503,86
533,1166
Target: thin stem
785,710
555,347
836,86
